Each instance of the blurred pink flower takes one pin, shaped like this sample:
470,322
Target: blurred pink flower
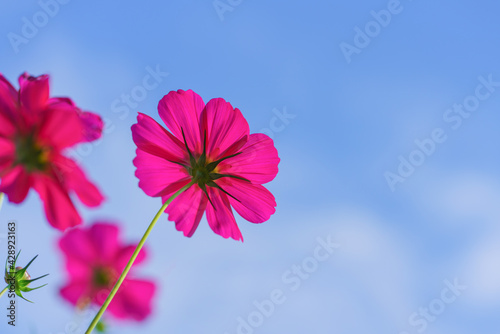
95,258
209,145
34,131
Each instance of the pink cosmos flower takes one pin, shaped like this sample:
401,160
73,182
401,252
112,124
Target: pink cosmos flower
210,146
95,258
34,131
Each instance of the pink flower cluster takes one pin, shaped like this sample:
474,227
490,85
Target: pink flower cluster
208,150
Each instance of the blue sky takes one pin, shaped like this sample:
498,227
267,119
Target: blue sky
350,123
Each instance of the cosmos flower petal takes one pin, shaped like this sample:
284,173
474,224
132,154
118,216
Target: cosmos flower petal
76,180
7,127
134,301
8,106
180,111
152,138
7,153
255,203
220,217
16,184
187,209
92,123
60,211
92,126
33,92
227,130
104,238
77,245
61,128
258,161
125,253
8,99
78,268
157,175
74,291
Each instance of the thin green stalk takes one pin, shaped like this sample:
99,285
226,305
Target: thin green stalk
4,290
132,259
2,195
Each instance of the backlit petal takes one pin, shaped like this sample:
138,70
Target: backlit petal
181,110
221,218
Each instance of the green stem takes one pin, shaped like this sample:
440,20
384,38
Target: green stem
2,195
132,259
4,290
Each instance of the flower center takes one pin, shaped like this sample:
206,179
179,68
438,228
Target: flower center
30,154
203,173
102,277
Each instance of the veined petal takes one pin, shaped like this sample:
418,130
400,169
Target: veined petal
221,219
16,184
34,92
157,176
60,211
258,161
181,110
152,138
227,130
74,178
187,209
255,203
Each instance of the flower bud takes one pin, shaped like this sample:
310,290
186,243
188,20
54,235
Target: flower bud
18,278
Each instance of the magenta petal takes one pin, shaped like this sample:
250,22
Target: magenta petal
257,162
125,253
34,92
8,108
92,126
157,176
59,208
104,238
181,110
7,154
77,246
187,209
221,218
78,269
152,138
133,300
75,179
16,184
61,128
255,203
7,127
79,253
226,128
74,291
8,99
